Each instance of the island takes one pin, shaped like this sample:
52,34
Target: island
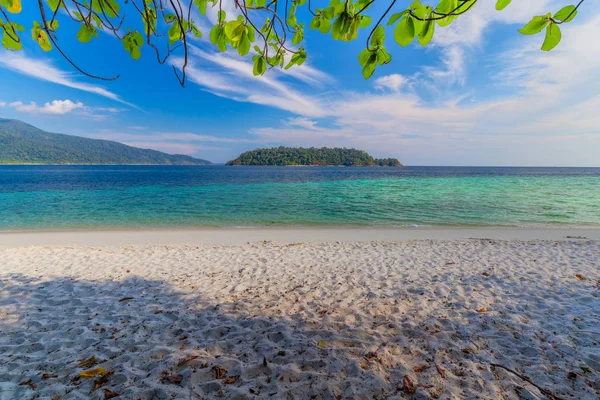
312,156
21,143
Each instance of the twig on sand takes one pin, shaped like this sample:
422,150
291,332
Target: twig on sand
526,379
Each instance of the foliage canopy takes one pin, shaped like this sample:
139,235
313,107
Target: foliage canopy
269,31
312,156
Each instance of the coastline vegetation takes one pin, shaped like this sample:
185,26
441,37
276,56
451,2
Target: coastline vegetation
324,156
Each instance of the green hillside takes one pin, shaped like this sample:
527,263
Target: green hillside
21,143
312,156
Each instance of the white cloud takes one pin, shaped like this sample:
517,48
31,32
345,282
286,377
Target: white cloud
172,148
2,104
57,107
391,82
302,122
45,71
164,137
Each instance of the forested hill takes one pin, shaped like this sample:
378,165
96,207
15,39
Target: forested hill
312,156
21,143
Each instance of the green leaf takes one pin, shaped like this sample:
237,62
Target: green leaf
315,23
535,25
336,30
329,13
566,14
363,57
40,36
501,4
244,46
222,42
201,4
553,37
298,37
250,34
395,17
405,31
235,30
54,4
12,6
261,3
426,33
369,68
383,57
325,26
365,21
135,53
214,34
378,36
221,15
86,33
260,65
446,7
196,31
174,34
109,7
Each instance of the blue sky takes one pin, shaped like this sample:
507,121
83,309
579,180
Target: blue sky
480,94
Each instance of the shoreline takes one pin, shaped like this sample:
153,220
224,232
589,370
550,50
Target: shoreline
236,236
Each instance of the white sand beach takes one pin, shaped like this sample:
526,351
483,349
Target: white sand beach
307,315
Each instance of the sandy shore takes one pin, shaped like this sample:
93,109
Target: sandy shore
384,318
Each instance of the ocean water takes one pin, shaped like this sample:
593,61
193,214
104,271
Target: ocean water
67,197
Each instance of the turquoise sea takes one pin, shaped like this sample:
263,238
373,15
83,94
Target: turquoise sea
67,197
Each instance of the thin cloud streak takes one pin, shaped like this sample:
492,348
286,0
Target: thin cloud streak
45,71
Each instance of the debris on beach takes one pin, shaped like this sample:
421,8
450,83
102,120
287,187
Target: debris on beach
29,383
220,373
231,379
103,380
87,363
90,373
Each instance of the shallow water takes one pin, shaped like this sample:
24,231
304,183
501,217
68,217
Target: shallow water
57,197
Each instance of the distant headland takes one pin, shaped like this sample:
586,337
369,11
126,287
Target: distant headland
21,143
312,156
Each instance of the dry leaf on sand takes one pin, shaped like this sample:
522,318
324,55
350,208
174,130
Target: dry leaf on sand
90,373
231,379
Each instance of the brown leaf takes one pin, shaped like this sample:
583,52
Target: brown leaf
420,368
581,277
48,376
109,394
440,370
424,386
90,362
408,385
28,383
481,310
186,360
219,372
231,379
126,299
371,356
103,380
